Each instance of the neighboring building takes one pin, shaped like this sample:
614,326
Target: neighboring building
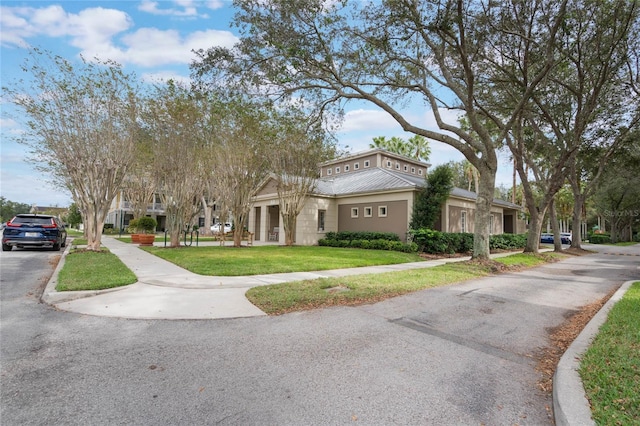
120,213
55,211
371,191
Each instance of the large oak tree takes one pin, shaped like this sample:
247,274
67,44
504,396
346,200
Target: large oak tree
434,53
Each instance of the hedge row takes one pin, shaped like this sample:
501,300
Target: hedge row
376,241
435,242
363,235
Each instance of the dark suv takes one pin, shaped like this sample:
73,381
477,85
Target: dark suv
34,230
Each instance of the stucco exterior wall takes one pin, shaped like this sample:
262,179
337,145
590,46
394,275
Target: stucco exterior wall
395,220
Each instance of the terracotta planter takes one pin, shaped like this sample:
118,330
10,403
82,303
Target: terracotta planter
135,238
147,239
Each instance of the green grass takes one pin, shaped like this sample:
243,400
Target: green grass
302,295
87,270
528,260
610,369
622,243
230,261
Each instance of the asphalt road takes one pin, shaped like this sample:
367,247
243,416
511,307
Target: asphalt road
457,355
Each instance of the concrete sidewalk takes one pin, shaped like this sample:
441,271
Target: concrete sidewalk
166,291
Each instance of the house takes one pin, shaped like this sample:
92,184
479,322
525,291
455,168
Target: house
372,190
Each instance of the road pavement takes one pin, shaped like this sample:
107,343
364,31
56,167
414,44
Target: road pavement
458,355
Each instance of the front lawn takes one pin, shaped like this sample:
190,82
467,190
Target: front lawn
230,261
277,299
610,369
90,270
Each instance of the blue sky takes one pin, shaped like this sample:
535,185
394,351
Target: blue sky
154,39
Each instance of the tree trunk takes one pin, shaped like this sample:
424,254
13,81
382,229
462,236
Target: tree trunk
483,212
553,217
576,222
289,225
208,217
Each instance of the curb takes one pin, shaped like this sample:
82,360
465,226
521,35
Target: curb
570,404
51,296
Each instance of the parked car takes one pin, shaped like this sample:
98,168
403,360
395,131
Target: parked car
216,227
34,230
547,238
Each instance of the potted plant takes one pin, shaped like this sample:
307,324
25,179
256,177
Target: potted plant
147,225
133,230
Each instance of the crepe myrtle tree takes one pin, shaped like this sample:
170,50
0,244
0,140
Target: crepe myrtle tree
173,117
299,145
81,127
432,53
243,135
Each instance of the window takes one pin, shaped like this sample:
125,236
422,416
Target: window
321,217
420,172
354,212
406,168
388,163
368,212
397,166
356,166
382,211
328,172
367,163
413,170
346,168
337,170
463,221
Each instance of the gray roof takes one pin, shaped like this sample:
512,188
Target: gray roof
377,179
371,180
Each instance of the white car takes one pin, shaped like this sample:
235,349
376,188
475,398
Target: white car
216,227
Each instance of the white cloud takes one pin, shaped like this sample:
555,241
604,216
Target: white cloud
185,8
89,27
152,47
367,119
95,32
162,76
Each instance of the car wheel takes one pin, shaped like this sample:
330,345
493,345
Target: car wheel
64,243
6,247
56,247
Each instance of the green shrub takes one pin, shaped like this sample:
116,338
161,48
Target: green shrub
147,225
375,244
133,226
600,239
435,242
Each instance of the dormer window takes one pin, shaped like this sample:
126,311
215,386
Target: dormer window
346,168
329,172
356,166
337,170
389,163
367,163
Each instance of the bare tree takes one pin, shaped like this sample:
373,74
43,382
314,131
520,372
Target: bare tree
82,129
435,52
